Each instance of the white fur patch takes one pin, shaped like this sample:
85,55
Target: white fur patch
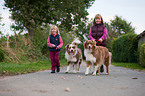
70,57
89,56
87,70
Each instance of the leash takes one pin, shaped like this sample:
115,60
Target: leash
98,43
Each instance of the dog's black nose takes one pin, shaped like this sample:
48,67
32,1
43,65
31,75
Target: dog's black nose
89,47
71,50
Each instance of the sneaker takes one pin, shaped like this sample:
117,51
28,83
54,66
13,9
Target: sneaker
53,71
58,69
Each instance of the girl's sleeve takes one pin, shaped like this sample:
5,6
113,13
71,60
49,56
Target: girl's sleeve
61,42
48,42
90,34
104,34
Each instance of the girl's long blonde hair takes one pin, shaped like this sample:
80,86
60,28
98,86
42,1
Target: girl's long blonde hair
54,27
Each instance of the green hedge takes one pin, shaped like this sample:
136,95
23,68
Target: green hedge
142,55
125,48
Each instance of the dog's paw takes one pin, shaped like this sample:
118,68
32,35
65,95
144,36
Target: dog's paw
107,73
86,74
98,73
93,74
74,72
66,72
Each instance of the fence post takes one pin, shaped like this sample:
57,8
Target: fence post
7,41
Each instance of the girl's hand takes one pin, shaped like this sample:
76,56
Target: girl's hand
101,40
57,47
53,45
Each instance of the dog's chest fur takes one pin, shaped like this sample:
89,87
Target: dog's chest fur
71,58
89,56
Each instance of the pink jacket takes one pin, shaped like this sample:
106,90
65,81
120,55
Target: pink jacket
103,37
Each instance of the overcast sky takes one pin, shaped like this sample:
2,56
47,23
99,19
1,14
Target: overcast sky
131,10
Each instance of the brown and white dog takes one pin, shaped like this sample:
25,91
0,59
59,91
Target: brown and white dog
96,55
73,55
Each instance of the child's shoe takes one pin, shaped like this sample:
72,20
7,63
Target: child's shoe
58,69
53,71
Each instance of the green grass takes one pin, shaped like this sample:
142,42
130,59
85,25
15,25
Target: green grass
128,65
29,67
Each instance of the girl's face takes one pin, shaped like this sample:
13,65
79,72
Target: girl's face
54,31
98,20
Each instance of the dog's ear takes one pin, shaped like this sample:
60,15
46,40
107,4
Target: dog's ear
93,42
85,43
67,46
75,43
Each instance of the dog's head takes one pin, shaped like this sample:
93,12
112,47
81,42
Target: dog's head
71,49
89,44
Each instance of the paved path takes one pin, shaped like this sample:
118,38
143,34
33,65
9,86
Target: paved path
120,82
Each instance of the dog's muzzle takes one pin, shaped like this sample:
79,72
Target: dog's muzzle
89,47
71,52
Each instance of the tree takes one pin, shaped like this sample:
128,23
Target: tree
116,28
30,14
121,26
1,25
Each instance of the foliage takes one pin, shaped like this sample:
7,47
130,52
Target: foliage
121,26
1,54
30,14
125,48
21,49
1,25
142,55
116,28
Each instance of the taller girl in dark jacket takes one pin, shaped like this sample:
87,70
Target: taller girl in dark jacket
98,32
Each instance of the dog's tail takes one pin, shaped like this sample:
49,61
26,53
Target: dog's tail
110,56
76,41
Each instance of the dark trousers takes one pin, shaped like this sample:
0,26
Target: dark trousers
54,56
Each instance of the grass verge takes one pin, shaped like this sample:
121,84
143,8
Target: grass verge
128,65
29,67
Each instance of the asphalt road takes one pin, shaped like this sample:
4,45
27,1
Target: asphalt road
120,82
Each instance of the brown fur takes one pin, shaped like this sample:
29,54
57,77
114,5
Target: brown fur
100,53
73,56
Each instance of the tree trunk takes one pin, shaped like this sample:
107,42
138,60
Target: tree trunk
30,33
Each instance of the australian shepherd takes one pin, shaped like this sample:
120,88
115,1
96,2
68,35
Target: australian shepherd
96,55
74,56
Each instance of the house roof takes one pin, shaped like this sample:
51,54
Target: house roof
141,34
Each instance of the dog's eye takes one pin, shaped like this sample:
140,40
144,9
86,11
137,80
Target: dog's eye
69,47
73,47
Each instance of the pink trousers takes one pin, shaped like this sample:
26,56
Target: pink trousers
54,56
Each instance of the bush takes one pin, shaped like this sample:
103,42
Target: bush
1,54
125,48
142,55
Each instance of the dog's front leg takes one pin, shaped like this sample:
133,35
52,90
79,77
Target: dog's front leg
88,68
78,66
74,67
68,68
96,68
